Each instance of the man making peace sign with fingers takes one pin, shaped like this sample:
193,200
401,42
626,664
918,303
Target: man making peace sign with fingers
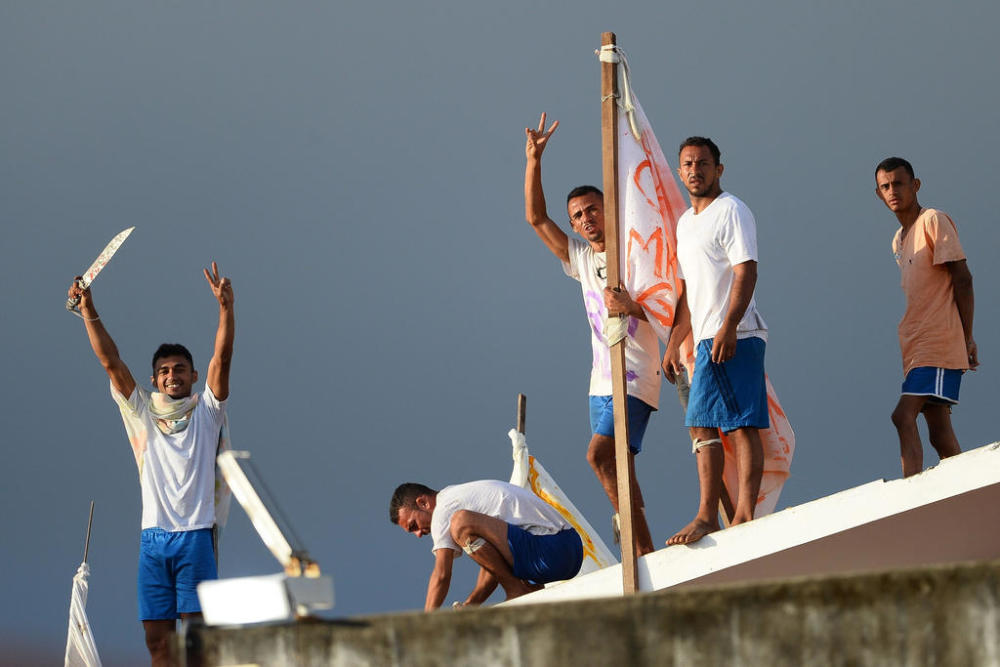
585,260
175,435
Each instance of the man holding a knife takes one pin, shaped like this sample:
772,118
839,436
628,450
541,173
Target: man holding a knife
175,435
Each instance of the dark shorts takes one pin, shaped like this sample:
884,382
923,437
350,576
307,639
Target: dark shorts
732,394
545,558
939,385
602,419
171,565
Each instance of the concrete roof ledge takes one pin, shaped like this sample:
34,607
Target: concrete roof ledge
943,615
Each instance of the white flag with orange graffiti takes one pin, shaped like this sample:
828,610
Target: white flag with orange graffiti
650,205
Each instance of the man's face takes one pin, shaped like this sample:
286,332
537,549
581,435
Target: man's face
174,376
586,215
416,520
897,189
698,171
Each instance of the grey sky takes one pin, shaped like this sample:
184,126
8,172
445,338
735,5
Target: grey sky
356,169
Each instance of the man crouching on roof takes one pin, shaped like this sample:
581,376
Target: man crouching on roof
519,541
175,434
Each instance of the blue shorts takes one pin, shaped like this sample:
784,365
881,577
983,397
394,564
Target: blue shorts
171,565
602,419
939,385
729,395
545,558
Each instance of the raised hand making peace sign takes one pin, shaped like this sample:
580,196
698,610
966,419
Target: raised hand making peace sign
222,288
538,138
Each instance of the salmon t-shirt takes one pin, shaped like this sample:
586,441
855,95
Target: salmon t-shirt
930,333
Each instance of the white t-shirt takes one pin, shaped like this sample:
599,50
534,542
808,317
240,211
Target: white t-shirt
709,245
176,471
513,504
642,349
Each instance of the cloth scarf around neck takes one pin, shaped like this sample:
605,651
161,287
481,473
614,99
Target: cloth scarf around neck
172,415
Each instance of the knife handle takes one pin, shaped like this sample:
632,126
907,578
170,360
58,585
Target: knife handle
73,302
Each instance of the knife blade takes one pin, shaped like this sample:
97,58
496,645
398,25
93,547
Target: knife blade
98,264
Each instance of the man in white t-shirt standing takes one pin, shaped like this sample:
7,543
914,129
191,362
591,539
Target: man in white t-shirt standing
717,255
519,541
174,435
586,262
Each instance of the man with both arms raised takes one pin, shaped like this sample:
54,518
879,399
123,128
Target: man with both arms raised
175,436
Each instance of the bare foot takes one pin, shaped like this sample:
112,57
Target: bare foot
693,532
521,587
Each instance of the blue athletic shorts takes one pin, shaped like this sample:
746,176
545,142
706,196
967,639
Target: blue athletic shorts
602,419
939,385
171,565
730,395
545,558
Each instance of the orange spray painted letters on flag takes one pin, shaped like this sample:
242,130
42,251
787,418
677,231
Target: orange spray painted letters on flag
651,204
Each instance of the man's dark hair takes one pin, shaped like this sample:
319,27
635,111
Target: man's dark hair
581,190
172,350
406,495
892,164
702,141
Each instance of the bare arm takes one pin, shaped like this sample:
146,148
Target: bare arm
535,212
101,342
961,280
486,583
218,367
680,330
440,581
744,281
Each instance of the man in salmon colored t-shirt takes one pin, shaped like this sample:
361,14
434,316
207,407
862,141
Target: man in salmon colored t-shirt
935,334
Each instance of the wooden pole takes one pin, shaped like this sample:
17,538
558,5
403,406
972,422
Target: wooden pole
623,460
522,401
90,522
